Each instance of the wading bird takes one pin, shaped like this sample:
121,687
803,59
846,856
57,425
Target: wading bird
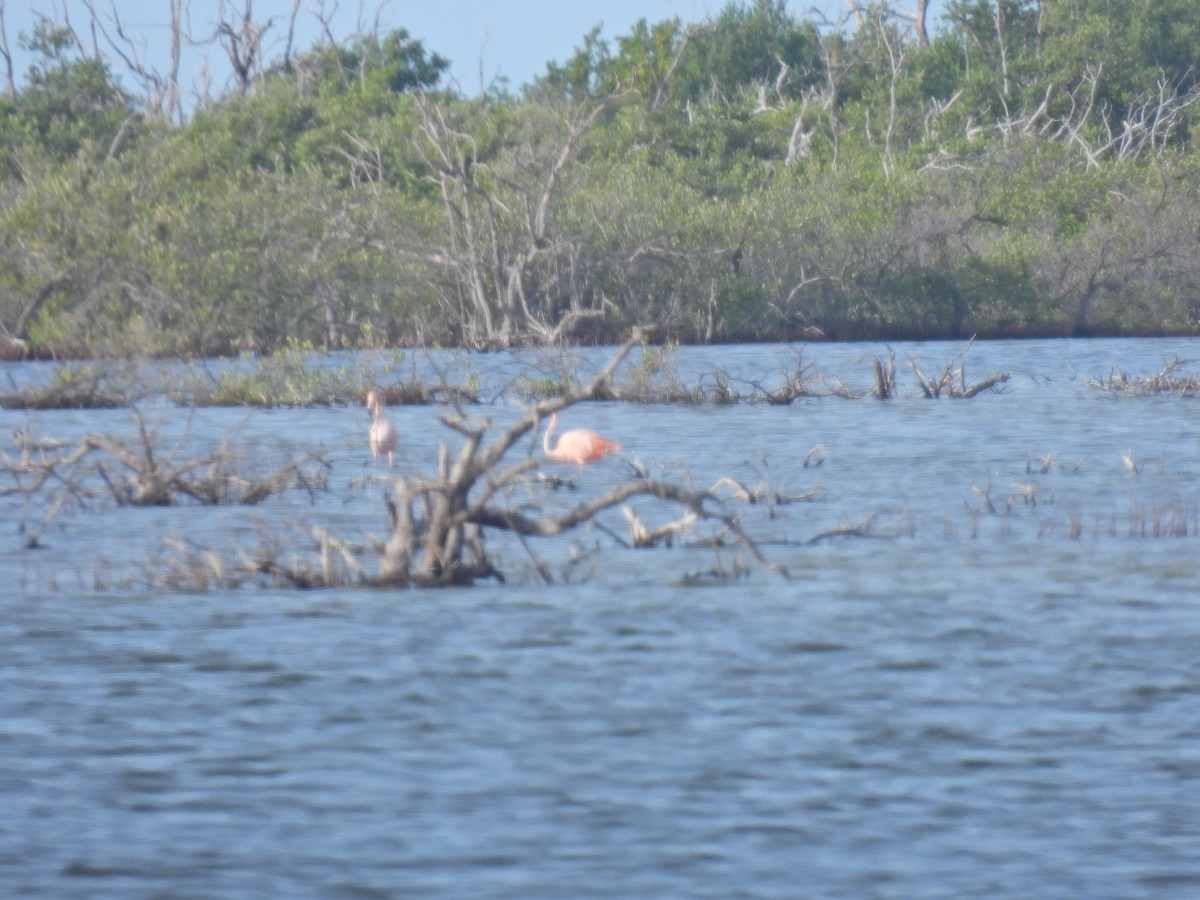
382,438
579,445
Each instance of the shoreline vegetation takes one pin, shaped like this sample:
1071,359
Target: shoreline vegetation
298,377
1013,169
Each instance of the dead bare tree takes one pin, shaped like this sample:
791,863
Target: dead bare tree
896,53
1148,125
107,38
241,36
919,19
174,108
833,66
10,85
821,98
291,34
660,87
1001,46
498,233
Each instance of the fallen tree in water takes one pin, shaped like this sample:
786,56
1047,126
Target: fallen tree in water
438,524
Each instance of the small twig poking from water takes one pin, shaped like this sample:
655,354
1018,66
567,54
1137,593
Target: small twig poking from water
34,540
1042,465
637,469
643,537
884,376
1173,521
543,570
580,557
862,530
556,482
1075,529
1027,492
763,493
984,493
723,572
974,514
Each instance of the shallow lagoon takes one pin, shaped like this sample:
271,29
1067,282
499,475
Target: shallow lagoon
964,703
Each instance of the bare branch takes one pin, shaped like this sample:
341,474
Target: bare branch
10,85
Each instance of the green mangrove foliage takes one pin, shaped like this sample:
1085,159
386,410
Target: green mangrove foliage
1018,168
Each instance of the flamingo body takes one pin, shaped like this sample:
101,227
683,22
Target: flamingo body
382,438
578,445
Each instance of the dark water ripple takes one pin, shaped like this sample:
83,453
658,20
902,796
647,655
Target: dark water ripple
935,715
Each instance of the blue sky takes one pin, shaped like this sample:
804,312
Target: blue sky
512,38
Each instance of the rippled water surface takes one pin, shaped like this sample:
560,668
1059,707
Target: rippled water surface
957,702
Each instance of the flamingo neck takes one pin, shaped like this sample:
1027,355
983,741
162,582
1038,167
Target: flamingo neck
546,437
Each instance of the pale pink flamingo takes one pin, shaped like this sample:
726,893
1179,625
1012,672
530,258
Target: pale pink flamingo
579,445
382,438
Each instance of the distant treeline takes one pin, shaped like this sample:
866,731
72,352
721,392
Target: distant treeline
1014,168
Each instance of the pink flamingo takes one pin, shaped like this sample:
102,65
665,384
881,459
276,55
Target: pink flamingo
579,445
382,438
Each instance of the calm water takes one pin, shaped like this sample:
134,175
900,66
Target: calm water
963,704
